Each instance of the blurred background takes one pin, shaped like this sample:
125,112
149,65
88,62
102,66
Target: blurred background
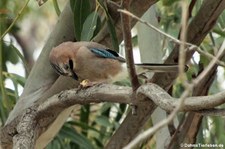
93,125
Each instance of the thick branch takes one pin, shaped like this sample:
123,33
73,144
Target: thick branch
96,94
161,98
137,7
34,119
128,46
197,30
41,114
63,33
43,82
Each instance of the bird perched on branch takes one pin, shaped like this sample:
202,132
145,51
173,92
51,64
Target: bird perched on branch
94,62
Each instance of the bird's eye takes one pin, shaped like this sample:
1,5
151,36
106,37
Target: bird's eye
67,67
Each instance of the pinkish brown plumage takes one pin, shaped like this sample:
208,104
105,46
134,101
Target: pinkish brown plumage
77,60
94,62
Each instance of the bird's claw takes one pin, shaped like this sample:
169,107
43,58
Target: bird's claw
86,83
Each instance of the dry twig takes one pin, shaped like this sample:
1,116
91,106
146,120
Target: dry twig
129,51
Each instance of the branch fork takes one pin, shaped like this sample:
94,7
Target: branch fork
33,121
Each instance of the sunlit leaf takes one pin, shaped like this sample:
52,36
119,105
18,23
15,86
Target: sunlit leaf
103,121
20,56
19,79
111,26
90,27
81,9
56,6
219,32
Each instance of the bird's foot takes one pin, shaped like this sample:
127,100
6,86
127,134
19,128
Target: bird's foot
87,83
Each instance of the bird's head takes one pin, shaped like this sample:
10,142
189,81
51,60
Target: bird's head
62,60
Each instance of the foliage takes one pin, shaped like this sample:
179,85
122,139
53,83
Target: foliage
8,53
94,124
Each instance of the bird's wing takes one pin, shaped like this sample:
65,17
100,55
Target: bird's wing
107,53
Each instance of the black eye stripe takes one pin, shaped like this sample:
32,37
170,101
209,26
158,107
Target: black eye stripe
57,68
71,64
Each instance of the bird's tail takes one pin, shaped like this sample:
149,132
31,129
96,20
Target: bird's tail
158,67
143,69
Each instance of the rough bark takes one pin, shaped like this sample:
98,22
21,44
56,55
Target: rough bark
201,24
43,82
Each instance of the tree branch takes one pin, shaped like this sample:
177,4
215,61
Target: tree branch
201,24
126,28
40,115
161,98
96,94
175,40
43,82
189,102
35,117
128,46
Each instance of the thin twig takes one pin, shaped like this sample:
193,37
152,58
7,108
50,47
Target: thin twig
187,91
221,63
185,94
220,54
182,52
154,28
148,133
129,52
188,88
194,47
128,47
15,20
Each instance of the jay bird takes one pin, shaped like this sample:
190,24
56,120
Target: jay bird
95,62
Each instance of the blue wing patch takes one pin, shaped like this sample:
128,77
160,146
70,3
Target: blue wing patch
105,53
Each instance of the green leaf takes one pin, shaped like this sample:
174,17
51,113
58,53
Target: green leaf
111,27
112,32
56,143
20,56
219,32
70,133
81,9
17,78
168,2
3,111
122,109
84,126
11,97
56,6
103,121
12,54
105,109
84,116
9,55
91,26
